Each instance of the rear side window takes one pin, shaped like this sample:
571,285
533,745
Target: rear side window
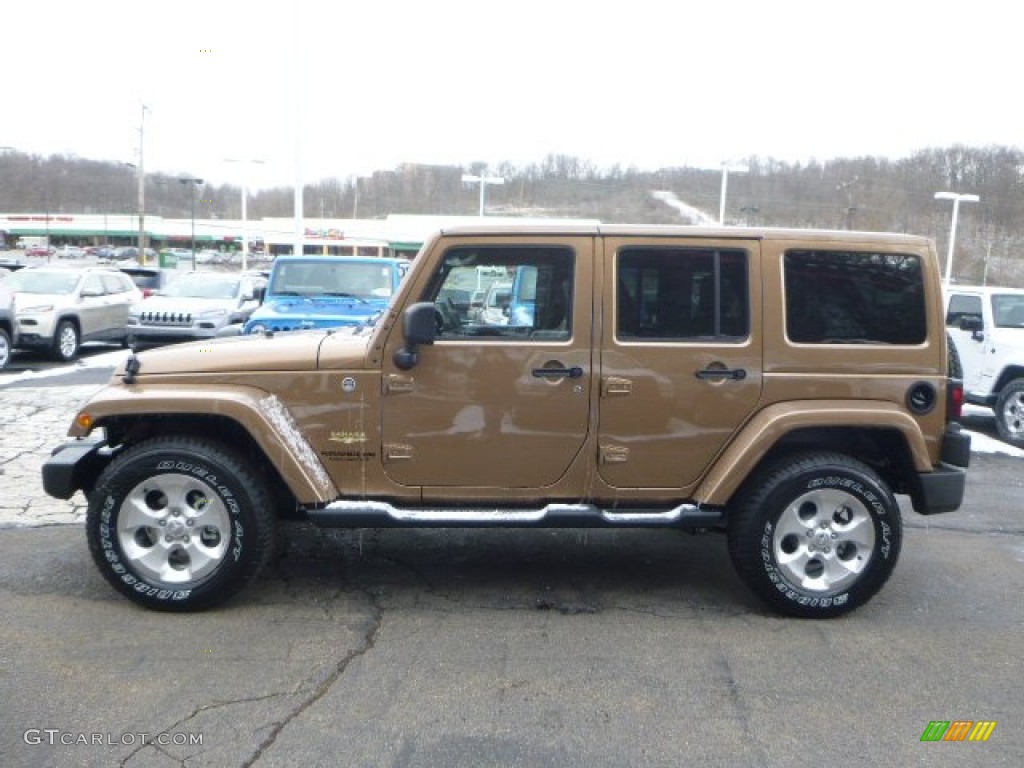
854,297
682,294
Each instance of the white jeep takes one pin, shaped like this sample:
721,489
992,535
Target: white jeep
987,326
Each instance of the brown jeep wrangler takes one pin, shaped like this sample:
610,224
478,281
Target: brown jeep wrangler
780,386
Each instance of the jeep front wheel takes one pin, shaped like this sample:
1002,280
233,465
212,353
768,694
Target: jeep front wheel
1010,413
179,523
815,535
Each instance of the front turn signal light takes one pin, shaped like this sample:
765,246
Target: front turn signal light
84,421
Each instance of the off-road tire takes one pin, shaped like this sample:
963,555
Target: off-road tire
180,523
956,369
1009,412
66,342
815,534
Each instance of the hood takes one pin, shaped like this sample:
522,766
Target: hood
316,312
293,351
24,300
183,304
231,355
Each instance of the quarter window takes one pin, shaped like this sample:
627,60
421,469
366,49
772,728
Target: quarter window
682,294
853,297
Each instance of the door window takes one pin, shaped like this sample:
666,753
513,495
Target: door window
682,294
529,292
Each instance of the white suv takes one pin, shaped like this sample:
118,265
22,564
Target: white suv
987,326
58,308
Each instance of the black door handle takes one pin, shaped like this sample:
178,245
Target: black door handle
734,374
557,373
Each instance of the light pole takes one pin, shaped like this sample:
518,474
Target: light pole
142,188
725,183
483,181
195,183
245,196
957,199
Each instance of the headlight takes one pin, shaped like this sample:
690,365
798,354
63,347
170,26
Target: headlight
39,309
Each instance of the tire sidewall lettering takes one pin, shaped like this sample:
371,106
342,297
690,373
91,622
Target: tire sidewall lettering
876,505
106,528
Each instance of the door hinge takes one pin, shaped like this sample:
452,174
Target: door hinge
614,454
396,383
397,452
613,386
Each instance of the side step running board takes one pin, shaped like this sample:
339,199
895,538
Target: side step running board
375,514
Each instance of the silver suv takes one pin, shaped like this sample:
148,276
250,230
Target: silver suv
58,308
197,305
8,329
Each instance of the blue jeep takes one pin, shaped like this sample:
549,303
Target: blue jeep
325,291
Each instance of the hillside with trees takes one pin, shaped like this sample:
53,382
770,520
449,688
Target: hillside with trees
867,193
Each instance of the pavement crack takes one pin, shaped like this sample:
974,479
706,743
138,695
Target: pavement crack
369,642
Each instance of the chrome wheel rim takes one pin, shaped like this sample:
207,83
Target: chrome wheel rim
5,351
824,540
68,341
1012,415
174,529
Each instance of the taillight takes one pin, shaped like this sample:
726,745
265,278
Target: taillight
954,399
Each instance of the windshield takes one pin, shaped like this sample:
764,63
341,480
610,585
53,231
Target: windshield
204,286
37,281
1008,310
364,280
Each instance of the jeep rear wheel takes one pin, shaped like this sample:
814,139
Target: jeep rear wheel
815,535
180,524
1010,413
65,341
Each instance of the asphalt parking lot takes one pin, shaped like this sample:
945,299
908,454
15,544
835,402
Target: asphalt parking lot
504,648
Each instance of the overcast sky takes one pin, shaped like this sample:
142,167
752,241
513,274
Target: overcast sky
369,84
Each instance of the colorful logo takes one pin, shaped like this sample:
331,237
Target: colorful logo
958,730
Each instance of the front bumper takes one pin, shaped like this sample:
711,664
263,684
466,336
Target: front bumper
74,466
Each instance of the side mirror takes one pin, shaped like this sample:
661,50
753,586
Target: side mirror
419,326
971,323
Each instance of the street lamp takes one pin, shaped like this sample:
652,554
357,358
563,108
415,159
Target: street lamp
195,183
245,196
142,187
483,181
957,199
725,182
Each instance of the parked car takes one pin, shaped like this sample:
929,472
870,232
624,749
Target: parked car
70,252
58,308
779,386
8,328
101,251
325,292
987,325
40,250
150,280
196,305
496,303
